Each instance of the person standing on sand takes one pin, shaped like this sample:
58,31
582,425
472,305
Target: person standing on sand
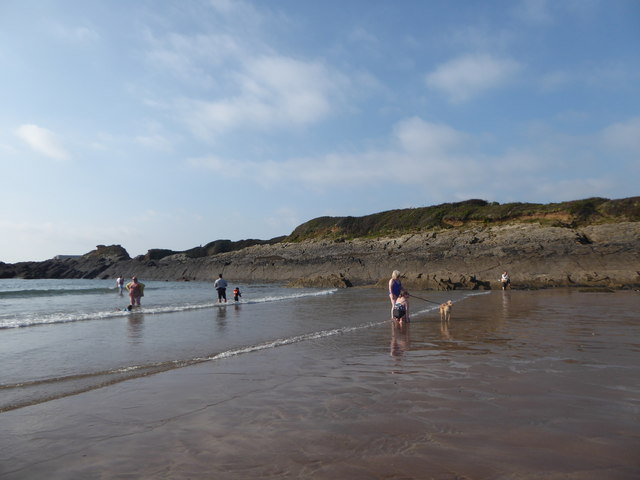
221,286
136,291
395,288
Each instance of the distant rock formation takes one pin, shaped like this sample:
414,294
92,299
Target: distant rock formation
468,257
466,245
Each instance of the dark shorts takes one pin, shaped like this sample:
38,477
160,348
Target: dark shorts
222,293
399,311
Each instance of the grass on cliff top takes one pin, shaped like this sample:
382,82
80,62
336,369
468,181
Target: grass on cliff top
449,215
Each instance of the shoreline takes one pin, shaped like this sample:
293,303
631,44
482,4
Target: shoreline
522,384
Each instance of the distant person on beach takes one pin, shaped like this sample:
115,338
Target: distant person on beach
505,280
120,284
395,288
401,307
136,291
236,294
221,287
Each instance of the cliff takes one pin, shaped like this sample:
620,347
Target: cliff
540,247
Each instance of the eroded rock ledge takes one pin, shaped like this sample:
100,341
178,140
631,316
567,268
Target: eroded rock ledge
606,255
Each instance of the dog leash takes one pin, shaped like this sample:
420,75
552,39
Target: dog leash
419,298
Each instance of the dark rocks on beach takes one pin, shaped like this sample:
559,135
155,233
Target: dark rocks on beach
468,257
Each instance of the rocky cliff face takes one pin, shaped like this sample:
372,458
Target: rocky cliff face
471,257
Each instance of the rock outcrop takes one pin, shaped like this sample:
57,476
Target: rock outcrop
467,257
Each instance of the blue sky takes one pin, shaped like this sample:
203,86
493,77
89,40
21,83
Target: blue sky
170,124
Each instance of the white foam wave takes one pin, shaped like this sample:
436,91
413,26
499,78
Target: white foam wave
68,317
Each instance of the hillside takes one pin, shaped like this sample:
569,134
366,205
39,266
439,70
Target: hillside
591,242
572,214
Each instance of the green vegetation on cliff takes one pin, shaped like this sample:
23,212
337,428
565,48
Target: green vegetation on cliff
448,215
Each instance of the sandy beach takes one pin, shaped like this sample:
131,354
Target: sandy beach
521,385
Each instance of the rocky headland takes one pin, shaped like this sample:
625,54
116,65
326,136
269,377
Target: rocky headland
465,245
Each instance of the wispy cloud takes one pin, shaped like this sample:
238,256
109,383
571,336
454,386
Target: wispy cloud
155,141
272,92
467,76
193,58
537,12
418,152
450,163
237,78
548,13
75,34
42,141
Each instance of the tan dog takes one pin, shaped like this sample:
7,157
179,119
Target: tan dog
445,311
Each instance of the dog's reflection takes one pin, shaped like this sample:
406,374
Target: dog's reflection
444,331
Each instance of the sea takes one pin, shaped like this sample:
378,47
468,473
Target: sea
64,337
316,383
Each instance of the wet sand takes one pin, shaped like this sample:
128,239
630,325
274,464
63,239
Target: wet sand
521,385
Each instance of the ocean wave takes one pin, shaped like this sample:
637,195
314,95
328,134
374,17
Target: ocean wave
30,392
54,292
68,317
85,381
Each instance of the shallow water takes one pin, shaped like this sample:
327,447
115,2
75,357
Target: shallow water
521,385
85,340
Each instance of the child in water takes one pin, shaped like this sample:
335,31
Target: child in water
401,307
236,294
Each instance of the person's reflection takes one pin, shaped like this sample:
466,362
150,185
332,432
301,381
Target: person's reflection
221,317
135,327
506,301
400,338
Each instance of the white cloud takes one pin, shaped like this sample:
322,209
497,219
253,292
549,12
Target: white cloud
190,58
42,141
450,163
421,151
274,92
424,138
467,76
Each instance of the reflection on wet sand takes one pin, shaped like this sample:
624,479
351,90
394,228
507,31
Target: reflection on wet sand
506,301
221,317
135,327
444,331
400,338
